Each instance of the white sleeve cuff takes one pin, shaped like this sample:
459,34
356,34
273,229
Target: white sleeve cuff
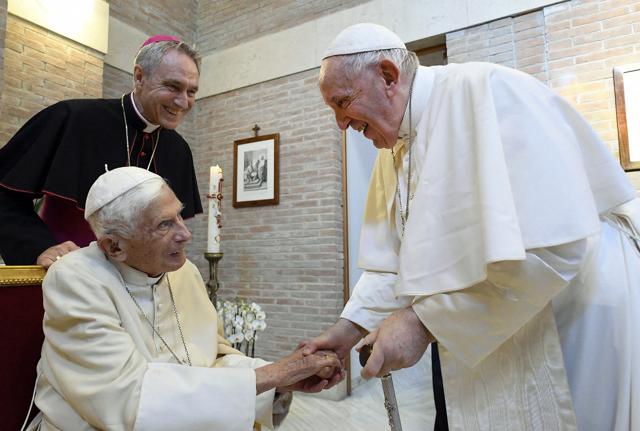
374,299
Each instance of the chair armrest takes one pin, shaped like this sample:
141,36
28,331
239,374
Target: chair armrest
26,275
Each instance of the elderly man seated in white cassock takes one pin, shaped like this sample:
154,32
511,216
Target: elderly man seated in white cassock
131,339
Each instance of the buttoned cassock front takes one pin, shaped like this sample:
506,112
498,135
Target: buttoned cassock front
102,367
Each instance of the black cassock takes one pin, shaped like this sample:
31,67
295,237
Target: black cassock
61,151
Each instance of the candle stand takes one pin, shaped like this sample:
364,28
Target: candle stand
213,285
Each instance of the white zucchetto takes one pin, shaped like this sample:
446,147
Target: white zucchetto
363,37
112,184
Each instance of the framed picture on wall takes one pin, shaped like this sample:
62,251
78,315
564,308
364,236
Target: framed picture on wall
626,84
256,171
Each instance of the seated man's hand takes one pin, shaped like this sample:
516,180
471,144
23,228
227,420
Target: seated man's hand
52,254
327,372
299,372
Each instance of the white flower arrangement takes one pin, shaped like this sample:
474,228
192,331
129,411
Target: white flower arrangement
242,322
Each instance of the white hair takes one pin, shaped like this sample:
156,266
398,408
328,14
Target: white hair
121,216
352,64
150,56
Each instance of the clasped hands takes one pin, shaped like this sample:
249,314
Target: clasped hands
311,372
317,364
399,342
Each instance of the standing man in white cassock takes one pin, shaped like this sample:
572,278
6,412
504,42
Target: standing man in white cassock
498,225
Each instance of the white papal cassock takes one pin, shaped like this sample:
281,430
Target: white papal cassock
517,255
102,367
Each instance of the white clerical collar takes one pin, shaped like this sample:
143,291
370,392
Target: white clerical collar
150,127
134,277
422,86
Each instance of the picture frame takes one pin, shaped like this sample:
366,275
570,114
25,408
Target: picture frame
256,171
626,85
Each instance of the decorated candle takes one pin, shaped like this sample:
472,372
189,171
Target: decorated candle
215,209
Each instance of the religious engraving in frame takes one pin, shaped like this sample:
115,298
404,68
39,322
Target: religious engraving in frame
256,171
626,84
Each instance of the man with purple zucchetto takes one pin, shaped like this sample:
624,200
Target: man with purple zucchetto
61,151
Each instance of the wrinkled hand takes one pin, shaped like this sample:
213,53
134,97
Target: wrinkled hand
340,337
399,342
50,255
297,372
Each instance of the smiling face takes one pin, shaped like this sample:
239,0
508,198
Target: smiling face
158,244
372,102
167,93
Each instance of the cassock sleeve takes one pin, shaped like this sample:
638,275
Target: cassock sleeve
373,300
24,166
208,399
93,362
264,401
23,235
473,322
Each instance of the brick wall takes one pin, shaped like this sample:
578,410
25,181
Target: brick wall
115,82
572,47
41,68
586,40
288,257
158,16
517,42
226,23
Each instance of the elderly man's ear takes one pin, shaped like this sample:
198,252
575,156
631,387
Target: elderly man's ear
112,247
138,76
390,73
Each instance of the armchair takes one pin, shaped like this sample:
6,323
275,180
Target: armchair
21,333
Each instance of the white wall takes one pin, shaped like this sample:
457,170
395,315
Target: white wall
300,48
83,21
